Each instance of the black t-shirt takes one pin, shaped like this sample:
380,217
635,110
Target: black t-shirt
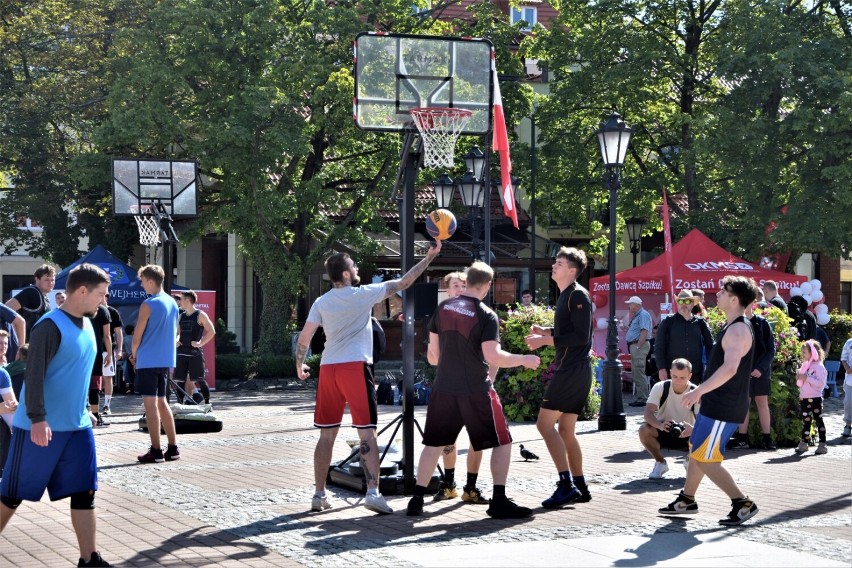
463,324
33,305
730,401
114,323
572,326
100,319
779,302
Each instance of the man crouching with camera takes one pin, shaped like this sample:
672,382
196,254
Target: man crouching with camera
667,423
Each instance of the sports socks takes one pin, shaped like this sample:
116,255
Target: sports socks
566,476
450,476
471,480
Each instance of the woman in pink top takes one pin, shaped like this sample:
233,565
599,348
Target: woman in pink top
811,382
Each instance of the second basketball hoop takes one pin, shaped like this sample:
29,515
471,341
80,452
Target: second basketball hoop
439,128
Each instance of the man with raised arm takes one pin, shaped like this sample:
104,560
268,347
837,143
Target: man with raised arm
344,314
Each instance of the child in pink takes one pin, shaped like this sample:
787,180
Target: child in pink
811,379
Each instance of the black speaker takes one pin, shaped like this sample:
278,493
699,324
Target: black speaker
425,299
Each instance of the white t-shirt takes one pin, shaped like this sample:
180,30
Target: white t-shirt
344,314
672,408
846,355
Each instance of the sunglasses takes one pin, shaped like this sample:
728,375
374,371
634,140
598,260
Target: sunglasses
684,301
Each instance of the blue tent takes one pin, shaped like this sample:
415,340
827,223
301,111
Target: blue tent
125,290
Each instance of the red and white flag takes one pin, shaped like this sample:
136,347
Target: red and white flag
500,143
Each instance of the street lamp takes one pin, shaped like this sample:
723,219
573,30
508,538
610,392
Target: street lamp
614,138
473,196
634,233
444,188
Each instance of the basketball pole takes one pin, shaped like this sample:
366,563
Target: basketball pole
406,220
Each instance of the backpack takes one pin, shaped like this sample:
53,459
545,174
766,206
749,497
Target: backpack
667,386
421,394
384,393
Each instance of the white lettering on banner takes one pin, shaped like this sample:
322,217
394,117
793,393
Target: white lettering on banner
127,294
650,284
681,284
600,287
721,265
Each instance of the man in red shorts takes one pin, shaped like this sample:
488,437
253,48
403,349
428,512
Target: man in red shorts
463,341
344,314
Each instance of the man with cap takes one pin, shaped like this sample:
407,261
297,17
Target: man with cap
638,336
683,335
698,307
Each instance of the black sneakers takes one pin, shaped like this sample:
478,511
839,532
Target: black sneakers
565,493
504,508
154,455
446,491
415,506
172,453
683,505
741,511
95,560
474,495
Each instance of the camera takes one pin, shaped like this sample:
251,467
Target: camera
676,429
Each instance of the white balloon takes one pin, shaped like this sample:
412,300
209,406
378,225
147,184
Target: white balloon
820,309
806,288
602,323
822,319
817,296
594,307
816,284
795,291
808,298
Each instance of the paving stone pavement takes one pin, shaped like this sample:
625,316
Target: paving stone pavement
242,498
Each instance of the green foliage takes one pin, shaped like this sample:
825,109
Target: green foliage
232,365
839,330
258,366
520,389
226,340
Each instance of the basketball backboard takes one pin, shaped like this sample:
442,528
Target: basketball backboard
395,73
137,184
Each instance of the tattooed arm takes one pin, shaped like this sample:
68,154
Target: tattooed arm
302,346
409,277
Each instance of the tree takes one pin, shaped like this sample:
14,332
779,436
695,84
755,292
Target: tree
690,77
260,93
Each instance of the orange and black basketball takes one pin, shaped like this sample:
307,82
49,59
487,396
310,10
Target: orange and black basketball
441,224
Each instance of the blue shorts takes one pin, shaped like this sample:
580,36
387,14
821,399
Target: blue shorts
67,465
709,438
152,381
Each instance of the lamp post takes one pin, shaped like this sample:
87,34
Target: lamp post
614,138
634,233
533,172
473,197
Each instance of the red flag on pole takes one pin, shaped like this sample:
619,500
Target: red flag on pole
667,244
500,143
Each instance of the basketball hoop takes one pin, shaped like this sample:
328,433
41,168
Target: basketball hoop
149,228
439,128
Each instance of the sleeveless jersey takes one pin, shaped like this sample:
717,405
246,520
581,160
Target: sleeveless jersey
157,349
190,330
730,402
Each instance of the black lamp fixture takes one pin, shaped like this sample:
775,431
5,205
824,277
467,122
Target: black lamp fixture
445,189
634,233
614,139
471,190
474,161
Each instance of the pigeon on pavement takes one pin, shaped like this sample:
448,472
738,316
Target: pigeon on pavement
526,454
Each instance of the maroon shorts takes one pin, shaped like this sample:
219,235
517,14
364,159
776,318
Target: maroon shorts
481,414
341,383
96,382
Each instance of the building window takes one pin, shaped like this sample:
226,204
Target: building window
528,14
846,297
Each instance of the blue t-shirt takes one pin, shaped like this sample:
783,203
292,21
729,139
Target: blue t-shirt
67,377
5,382
157,348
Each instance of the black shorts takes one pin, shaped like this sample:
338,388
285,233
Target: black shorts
151,381
569,388
760,386
481,414
192,365
667,440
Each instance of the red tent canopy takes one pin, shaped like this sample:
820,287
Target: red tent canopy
697,262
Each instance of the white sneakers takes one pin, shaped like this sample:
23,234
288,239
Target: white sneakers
377,504
320,503
659,469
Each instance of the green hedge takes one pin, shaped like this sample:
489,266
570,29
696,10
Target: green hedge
521,389
839,329
249,366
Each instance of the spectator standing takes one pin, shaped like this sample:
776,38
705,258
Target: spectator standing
344,313
724,402
100,325
683,335
31,302
152,355
760,386
638,345
59,299
15,325
664,409
770,290
811,379
568,390
53,446
195,331
16,370
464,343
116,335
846,361
526,299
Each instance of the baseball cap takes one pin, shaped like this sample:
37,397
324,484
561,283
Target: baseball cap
634,300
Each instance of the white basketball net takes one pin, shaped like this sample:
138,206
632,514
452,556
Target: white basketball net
149,230
439,128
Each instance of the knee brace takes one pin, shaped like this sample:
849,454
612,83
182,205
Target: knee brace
9,502
94,398
83,500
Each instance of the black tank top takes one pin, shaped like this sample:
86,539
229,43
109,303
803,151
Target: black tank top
729,402
190,330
